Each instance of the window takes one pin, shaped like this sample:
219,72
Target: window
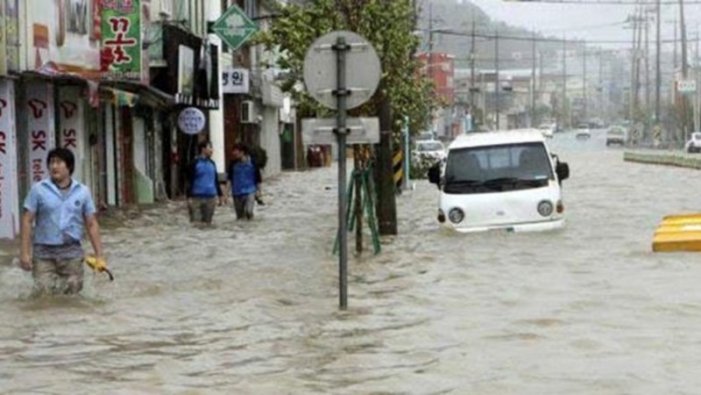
498,168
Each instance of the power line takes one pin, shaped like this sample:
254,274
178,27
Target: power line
606,2
543,39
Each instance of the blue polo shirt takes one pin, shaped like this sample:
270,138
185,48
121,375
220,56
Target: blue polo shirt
59,216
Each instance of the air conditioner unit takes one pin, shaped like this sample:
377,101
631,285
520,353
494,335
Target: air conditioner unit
248,112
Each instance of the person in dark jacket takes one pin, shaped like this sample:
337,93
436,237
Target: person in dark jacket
204,186
244,176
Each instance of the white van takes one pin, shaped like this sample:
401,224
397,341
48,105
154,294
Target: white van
501,180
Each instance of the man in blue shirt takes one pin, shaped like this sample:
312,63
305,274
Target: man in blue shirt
244,176
60,209
204,186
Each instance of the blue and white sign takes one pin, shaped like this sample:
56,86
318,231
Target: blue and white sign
191,120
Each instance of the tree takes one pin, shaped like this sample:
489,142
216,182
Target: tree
387,24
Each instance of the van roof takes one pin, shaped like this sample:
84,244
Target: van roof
497,138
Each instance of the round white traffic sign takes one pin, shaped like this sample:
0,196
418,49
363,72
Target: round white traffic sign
191,120
363,70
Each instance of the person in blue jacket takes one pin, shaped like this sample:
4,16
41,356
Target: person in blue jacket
244,176
204,186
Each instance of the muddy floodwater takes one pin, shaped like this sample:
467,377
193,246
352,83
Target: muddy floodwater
251,308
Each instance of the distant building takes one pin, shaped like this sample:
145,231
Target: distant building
440,68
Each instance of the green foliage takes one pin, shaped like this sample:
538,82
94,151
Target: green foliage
420,166
387,24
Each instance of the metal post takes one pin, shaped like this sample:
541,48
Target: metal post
341,94
473,54
584,82
631,93
565,111
685,64
497,85
658,72
533,81
407,155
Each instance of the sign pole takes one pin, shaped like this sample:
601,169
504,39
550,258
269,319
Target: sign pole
407,156
341,93
331,72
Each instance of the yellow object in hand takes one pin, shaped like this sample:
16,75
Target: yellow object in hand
98,265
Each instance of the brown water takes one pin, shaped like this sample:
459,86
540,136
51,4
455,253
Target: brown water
252,307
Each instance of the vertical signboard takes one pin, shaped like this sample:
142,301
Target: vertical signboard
120,56
145,29
3,40
9,214
40,126
11,26
72,126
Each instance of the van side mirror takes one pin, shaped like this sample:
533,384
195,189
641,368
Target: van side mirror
563,171
434,174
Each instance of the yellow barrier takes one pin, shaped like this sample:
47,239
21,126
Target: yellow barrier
678,233
398,167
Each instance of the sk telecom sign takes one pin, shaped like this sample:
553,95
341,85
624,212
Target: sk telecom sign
120,56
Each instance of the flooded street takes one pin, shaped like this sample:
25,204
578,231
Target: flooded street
251,308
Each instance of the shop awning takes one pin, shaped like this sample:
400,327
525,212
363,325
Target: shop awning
134,92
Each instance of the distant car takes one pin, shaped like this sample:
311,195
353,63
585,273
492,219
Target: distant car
583,132
432,150
548,129
424,136
694,144
616,136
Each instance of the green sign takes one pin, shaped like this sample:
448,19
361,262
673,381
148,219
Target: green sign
234,27
120,56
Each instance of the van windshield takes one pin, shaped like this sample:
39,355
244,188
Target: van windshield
498,168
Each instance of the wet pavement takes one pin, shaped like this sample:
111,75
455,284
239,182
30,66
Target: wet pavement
252,307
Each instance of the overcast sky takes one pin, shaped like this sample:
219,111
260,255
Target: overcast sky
591,22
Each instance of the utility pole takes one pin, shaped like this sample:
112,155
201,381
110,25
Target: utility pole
697,101
648,106
497,82
676,63
541,68
564,83
685,70
600,85
633,96
658,72
473,55
639,59
430,48
533,80
584,82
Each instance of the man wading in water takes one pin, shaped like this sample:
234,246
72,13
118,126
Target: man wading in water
204,187
58,210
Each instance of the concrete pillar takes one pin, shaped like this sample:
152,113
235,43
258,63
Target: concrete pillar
9,194
216,117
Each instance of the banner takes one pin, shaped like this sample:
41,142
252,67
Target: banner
40,126
121,52
3,41
58,32
11,26
72,126
9,208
